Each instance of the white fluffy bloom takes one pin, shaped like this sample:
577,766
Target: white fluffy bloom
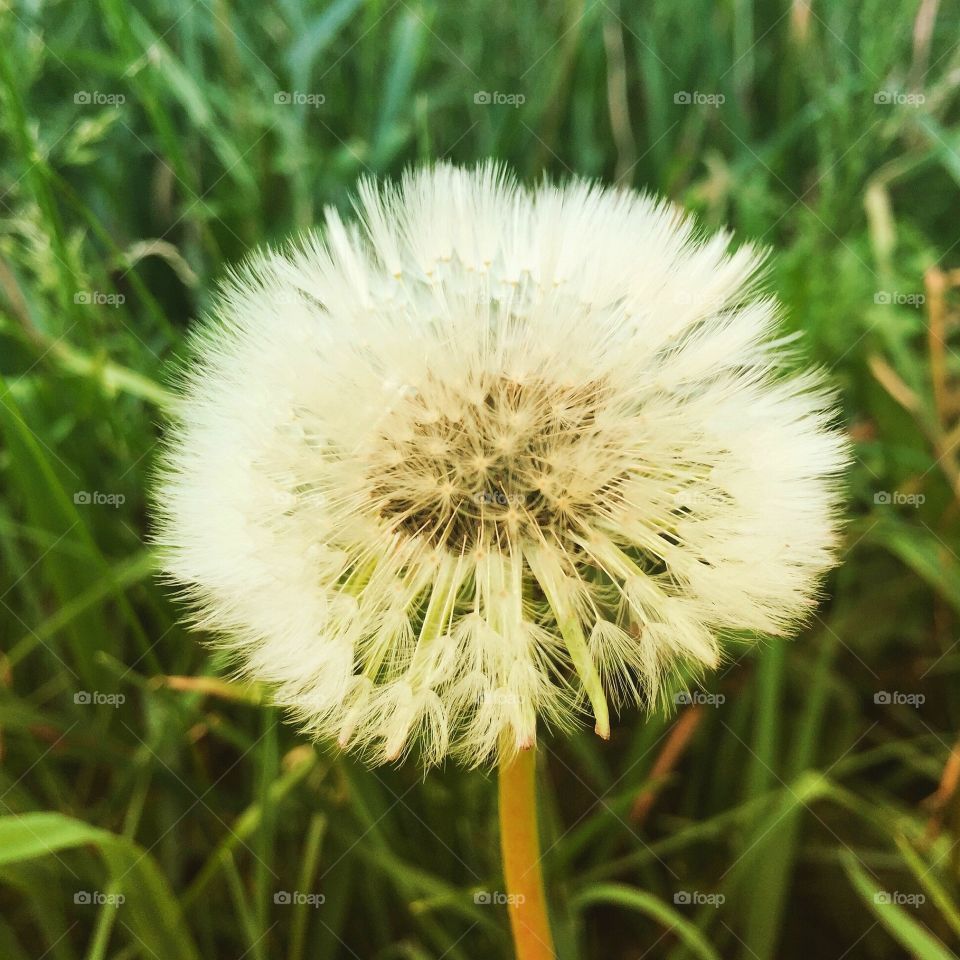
492,454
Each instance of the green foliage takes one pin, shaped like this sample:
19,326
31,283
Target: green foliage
145,148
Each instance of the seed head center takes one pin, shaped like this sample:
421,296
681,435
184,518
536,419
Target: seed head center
497,461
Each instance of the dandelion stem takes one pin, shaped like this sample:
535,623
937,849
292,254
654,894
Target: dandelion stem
520,846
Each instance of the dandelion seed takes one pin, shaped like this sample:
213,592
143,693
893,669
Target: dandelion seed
489,457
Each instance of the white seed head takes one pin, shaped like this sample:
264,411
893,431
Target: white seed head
490,455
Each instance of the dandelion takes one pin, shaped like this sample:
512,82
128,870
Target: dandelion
489,457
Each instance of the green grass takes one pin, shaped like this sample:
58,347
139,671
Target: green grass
798,800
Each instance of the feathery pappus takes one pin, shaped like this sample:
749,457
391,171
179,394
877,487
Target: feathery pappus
486,455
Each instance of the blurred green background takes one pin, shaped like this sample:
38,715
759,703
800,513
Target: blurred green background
807,808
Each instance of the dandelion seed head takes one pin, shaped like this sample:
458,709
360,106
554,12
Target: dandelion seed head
489,456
